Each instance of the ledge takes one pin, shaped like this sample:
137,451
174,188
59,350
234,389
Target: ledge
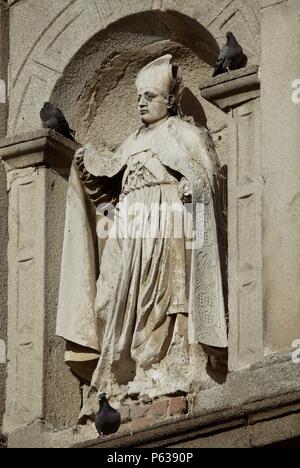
232,89
42,147
252,423
266,402
259,405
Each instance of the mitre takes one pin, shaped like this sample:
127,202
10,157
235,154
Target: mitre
157,75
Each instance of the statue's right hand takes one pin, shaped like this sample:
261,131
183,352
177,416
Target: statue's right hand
79,154
78,159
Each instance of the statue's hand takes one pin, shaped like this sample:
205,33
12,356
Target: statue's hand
184,190
79,161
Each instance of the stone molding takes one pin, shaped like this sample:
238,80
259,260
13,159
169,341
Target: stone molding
42,147
232,89
35,74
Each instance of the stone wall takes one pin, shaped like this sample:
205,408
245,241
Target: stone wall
3,287
84,57
39,384
281,172
3,66
3,209
42,53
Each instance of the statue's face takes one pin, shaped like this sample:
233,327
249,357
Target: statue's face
152,106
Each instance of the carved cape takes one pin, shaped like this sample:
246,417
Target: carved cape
181,147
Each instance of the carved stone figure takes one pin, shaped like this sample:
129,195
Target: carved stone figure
135,297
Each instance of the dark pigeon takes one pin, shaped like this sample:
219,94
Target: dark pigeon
231,56
107,419
53,118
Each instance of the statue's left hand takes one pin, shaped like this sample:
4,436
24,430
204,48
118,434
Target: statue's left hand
184,190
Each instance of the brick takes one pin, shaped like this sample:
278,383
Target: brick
142,423
159,408
139,411
178,405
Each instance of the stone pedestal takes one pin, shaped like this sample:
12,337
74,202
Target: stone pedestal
237,93
39,385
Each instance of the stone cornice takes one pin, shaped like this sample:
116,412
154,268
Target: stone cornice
232,89
42,147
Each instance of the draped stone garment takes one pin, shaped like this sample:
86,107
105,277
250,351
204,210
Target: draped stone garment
150,281
142,281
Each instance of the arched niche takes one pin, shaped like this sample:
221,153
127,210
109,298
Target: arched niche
97,87
98,30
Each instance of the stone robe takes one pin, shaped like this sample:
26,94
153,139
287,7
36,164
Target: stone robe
123,315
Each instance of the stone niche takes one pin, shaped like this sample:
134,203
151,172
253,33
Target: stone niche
256,136
92,80
97,86
98,89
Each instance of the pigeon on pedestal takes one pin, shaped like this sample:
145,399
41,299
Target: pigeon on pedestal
53,118
107,419
231,56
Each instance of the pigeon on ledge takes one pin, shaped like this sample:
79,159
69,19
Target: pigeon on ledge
52,117
107,419
231,56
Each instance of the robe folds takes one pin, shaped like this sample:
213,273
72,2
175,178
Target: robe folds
180,147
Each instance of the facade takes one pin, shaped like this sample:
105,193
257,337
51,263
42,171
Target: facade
84,56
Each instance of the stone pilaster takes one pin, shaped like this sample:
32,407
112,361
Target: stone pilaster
237,93
39,385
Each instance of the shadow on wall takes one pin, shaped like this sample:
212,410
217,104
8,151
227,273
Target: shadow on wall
97,87
191,107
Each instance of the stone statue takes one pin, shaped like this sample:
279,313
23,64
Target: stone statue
136,296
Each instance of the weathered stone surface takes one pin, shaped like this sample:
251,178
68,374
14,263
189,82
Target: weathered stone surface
3,205
83,55
139,411
39,57
266,392
280,144
232,89
142,423
159,408
3,286
177,406
125,414
4,25
237,93
35,149
245,236
37,197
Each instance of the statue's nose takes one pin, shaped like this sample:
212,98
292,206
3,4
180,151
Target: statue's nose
142,102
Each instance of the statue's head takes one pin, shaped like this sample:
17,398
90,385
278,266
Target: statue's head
157,85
